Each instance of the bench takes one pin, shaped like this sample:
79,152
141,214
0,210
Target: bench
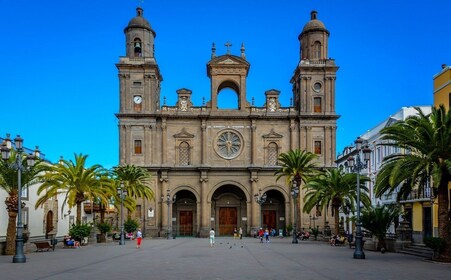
42,245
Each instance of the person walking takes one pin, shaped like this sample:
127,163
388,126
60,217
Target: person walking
235,233
139,237
241,233
212,237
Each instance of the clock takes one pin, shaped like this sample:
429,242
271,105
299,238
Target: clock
137,99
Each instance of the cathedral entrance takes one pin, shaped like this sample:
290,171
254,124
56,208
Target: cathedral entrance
269,219
273,211
186,223
227,220
229,210
184,217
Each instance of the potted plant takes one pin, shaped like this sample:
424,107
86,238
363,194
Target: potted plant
315,232
130,225
80,231
104,228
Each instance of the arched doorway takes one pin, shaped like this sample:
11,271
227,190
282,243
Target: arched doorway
185,213
229,209
273,211
48,223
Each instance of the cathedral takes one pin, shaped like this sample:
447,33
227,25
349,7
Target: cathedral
209,164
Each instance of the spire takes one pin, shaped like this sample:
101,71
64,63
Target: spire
243,55
313,14
139,11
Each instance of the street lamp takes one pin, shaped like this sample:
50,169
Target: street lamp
19,257
356,167
260,199
294,194
168,201
122,194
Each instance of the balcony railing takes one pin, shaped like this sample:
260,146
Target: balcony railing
416,195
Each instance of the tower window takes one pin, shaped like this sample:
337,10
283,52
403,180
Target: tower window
138,147
137,46
318,147
317,50
184,156
317,105
273,154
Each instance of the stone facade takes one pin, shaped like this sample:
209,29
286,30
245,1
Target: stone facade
212,162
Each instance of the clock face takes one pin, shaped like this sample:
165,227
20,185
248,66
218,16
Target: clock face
137,99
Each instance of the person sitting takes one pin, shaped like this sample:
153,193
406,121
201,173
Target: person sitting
305,235
70,242
333,239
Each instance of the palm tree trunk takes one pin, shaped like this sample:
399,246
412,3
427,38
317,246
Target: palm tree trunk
443,223
11,234
78,219
337,220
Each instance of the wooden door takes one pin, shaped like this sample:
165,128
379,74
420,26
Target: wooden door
186,223
227,220
269,219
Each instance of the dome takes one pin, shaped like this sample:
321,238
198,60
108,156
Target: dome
139,21
314,24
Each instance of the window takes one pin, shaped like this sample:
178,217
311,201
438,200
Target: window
317,50
317,105
184,156
138,147
318,147
137,47
273,154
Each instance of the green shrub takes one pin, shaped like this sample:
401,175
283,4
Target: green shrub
131,225
80,231
435,243
289,229
104,227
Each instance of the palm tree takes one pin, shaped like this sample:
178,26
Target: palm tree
427,140
9,183
77,182
135,180
297,167
378,220
337,189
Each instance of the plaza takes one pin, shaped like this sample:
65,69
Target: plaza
192,258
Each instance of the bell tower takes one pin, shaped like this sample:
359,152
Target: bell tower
139,74
314,91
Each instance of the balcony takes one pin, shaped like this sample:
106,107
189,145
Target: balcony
87,207
417,196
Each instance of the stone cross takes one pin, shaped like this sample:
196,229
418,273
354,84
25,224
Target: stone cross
228,45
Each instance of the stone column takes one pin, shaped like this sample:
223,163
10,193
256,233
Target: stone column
163,142
164,217
128,148
122,151
255,211
205,206
204,142
292,134
147,145
253,141
308,144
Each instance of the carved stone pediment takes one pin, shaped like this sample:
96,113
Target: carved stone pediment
183,134
228,61
272,134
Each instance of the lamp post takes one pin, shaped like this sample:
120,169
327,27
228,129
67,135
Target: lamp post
168,201
19,256
294,194
356,167
260,199
122,193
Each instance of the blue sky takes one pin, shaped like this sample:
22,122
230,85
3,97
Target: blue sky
59,86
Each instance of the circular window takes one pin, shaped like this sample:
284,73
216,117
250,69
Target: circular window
229,144
317,86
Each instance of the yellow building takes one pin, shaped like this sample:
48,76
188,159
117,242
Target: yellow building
442,87
422,208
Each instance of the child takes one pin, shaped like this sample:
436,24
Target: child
139,237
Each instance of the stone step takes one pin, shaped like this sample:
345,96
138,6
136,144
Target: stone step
419,250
